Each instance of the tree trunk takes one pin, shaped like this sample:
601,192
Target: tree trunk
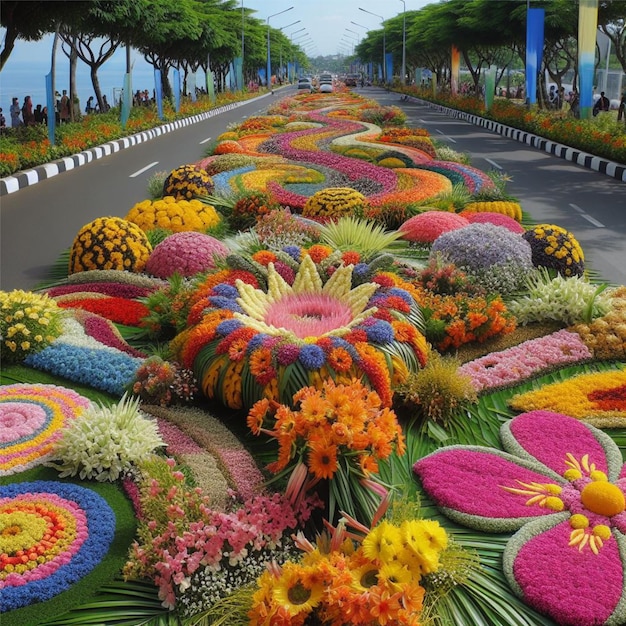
73,65
95,81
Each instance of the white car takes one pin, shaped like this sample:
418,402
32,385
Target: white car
326,87
305,84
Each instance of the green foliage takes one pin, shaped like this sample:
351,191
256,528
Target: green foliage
155,185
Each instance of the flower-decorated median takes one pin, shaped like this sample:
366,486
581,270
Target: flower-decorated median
257,356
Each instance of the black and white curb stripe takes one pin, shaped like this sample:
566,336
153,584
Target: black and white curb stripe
610,168
11,184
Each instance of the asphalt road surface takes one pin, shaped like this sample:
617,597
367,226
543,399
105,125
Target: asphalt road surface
39,222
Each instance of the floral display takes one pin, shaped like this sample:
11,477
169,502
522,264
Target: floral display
556,248
53,534
280,228
174,215
561,485
334,202
505,207
598,398
337,432
196,554
163,382
32,418
187,182
427,226
526,360
252,343
103,442
104,332
28,323
120,310
248,208
499,219
373,579
492,256
109,243
185,253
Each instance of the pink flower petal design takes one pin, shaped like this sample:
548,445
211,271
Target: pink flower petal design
524,437
573,587
466,482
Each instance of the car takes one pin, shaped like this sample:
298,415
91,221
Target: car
305,84
351,80
326,87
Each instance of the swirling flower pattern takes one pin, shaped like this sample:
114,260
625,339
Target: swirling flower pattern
31,420
51,535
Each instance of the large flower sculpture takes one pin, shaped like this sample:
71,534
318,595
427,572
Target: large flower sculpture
253,343
562,483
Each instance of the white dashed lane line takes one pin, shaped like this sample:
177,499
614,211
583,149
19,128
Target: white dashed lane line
584,215
498,167
444,135
143,169
205,140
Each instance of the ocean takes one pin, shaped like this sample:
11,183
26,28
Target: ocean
24,74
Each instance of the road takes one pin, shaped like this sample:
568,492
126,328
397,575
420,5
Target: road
39,222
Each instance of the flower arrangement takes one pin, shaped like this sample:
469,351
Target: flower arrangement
195,554
334,202
339,433
427,226
504,207
555,248
370,578
499,219
28,323
383,116
185,253
280,228
304,326
187,182
104,442
492,256
174,215
248,207
440,277
558,485
54,534
598,398
119,310
31,420
605,336
163,382
109,243
454,320
526,360
567,300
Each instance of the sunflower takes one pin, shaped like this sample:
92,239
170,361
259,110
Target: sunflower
323,459
296,591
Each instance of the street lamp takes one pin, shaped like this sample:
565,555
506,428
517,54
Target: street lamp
403,42
354,31
269,59
382,21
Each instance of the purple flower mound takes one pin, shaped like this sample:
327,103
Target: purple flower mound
498,219
427,226
491,255
185,253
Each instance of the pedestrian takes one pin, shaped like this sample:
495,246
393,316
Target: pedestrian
15,112
105,105
27,112
621,112
574,105
64,107
89,108
3,121
38,113
602,104
44,115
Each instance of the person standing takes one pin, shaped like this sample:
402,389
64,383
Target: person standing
27,112
64,107
602,104
15,113
3,122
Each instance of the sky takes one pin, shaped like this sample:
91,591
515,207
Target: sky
325,22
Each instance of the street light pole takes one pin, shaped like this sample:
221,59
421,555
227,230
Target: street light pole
403,42
269,56
382,21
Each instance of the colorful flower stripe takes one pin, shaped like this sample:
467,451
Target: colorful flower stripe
234,460
474,179
105,369
562,483
222,181
119,310
528,359
424,185
32,418
598,398
119,290
53,535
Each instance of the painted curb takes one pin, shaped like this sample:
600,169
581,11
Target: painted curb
603,166
18,181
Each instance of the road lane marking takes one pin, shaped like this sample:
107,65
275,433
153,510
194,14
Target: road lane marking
584,215
205,140
446,136
493,163
143,169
